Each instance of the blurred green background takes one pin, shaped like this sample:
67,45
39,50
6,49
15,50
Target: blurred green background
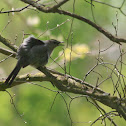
34,102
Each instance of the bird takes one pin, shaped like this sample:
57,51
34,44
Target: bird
32,52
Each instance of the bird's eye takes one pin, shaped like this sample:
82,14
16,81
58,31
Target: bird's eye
55,42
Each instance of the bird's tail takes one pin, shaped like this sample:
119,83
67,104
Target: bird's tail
13,74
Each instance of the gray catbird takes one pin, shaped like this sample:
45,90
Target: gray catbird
32,52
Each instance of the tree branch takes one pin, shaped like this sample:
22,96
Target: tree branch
11,11
7,52
59,4
100,29
54,10
8,44
71,84
43,8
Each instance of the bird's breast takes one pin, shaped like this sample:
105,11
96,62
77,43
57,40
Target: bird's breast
38,56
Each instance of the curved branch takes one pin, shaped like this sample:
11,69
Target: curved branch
56,10
100,29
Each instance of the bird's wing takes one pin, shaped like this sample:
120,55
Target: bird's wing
24,49
31,41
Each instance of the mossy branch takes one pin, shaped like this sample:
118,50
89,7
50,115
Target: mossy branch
71,84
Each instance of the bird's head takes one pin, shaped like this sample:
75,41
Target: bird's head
52,43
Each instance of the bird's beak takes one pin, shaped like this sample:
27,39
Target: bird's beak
61,43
